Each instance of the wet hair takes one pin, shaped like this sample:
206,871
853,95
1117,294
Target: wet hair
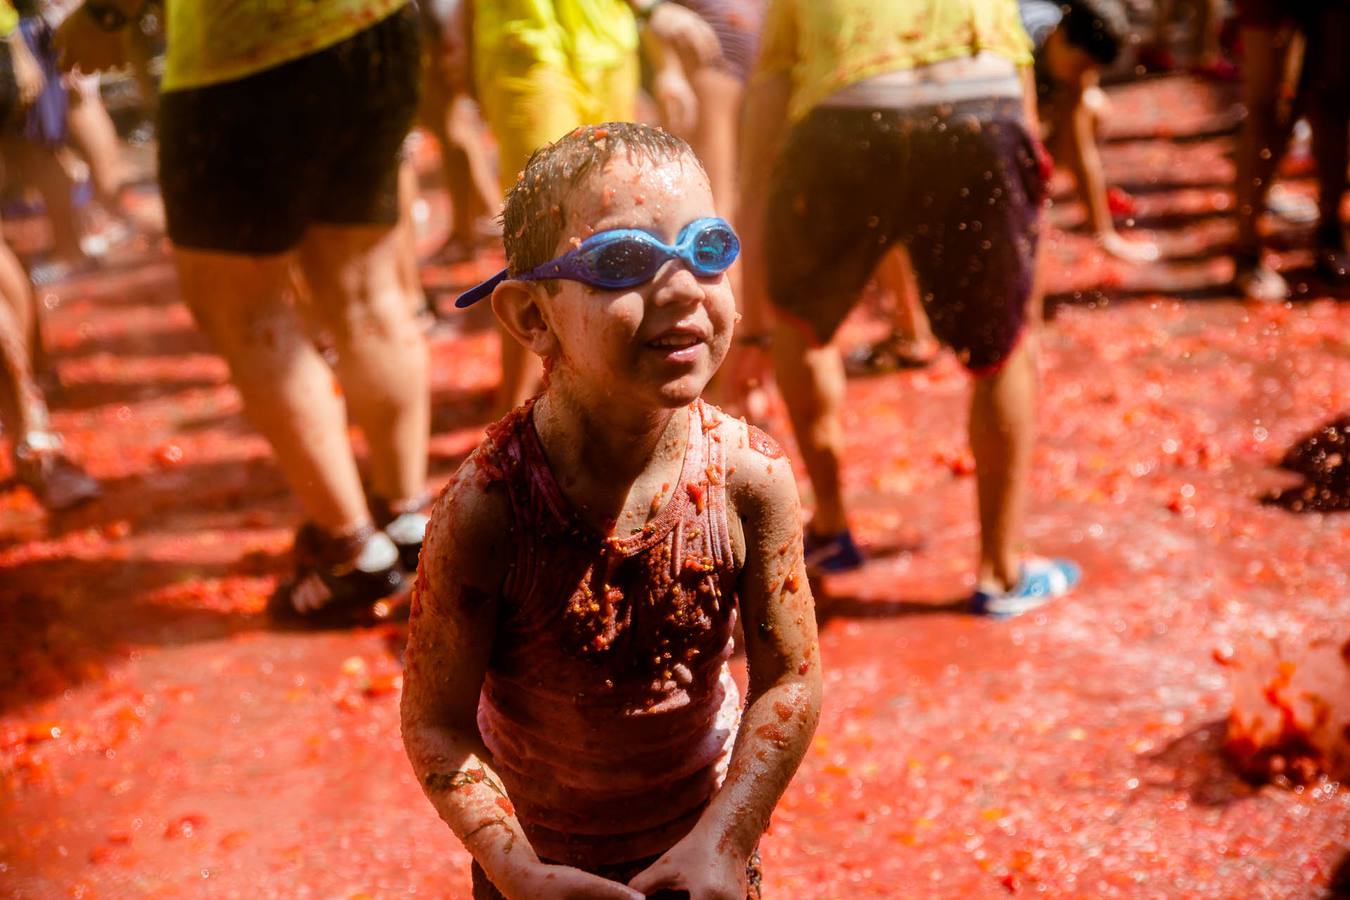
535,215
1097,27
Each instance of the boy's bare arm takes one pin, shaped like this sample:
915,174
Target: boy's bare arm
449,642
783,704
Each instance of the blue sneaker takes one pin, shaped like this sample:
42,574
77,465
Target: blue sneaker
831,554
1040,581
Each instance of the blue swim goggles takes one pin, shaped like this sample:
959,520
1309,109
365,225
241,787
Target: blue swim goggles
627,257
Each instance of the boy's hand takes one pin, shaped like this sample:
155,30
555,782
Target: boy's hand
696,867
550,882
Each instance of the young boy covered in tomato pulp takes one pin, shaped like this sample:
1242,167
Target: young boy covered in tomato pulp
567,703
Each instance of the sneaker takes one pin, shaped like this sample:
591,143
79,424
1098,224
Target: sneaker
831,554
891,354
405,523
339,580
1295,209
58,482
1039,582
1257,281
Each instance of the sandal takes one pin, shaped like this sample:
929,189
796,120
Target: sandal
340,580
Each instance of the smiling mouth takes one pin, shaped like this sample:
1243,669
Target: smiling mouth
675,341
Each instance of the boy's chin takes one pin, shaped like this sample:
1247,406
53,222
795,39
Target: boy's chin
681,392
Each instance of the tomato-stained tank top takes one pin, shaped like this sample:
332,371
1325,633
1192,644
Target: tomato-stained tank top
607,705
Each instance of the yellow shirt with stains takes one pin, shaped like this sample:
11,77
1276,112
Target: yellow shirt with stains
211,41
824,45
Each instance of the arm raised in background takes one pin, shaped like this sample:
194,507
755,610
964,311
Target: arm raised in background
680,30
450,638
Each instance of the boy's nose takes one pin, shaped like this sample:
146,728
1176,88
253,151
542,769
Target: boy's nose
677,285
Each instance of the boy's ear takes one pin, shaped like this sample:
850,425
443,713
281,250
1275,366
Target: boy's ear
516,304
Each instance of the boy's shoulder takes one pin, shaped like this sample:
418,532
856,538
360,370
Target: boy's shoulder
757,468
472,521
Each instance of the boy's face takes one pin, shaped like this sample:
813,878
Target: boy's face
658,343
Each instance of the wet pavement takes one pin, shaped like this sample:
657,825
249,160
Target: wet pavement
159,738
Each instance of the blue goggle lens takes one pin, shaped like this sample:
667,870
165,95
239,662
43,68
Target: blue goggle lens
624,262
715,249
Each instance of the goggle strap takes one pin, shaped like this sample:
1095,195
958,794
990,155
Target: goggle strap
479,291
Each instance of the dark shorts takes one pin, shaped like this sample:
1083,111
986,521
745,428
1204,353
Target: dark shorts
246,166
958,185
737,23
623,873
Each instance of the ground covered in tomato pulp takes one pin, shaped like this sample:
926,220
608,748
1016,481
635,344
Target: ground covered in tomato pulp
158,737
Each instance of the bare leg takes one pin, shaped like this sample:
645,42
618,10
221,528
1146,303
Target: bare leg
1208,24
1329,115
409,276
40,167
812,382
17,291
360,300
93,134
1264,135
466,130
18,294
22,409
1155,52
910,322
464,161
57,482
1002,434
245,305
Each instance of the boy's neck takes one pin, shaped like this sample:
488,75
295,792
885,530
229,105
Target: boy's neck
610,439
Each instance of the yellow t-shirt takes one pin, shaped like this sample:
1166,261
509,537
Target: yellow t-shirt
582,35
825,45
210,41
